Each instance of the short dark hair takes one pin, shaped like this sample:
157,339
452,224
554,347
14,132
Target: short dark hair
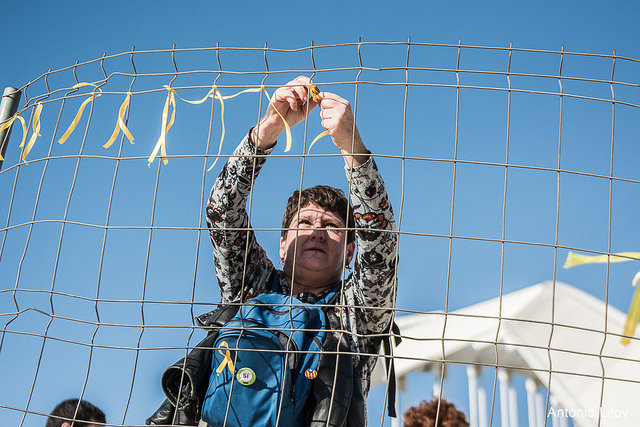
86,414
325,196
424,415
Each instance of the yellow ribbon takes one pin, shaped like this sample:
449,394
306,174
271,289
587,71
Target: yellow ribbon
221,98
313,90
36,132
120,123
226,361
160,145
574,259
210,94
321,135
76,119
634,313
633,316
215,94
8,123
260,89
286,125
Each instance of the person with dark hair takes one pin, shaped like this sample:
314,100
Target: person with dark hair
320,229
436,413
76,413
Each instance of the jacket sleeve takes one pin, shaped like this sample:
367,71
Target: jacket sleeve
374,275
240,262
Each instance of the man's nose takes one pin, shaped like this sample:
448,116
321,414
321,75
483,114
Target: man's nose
318,232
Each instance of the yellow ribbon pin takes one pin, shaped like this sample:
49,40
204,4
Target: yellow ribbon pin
226,361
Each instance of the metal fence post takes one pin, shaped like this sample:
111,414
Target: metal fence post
8,107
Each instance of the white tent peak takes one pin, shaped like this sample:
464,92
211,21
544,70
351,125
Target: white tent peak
563,338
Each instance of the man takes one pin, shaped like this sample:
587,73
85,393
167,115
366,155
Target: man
317,240
76,413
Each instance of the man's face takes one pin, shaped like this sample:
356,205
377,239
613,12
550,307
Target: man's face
316,239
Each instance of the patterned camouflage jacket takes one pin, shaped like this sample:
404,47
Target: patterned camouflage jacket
243,268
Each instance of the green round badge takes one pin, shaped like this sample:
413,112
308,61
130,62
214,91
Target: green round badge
246,376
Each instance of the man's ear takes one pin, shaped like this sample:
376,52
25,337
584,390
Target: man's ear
282,248
65,424
351,250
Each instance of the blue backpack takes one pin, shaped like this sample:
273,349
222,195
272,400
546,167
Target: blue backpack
272,361
264,362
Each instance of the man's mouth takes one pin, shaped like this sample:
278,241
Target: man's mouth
315,250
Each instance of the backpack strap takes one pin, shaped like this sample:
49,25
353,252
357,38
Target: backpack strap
394,331
329,404
274,281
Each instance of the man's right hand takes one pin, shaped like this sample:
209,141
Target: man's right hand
292,102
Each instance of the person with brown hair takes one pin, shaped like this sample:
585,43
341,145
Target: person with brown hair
321,231
436,413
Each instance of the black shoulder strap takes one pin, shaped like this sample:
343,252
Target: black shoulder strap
330,404
390,338
274,281
394,331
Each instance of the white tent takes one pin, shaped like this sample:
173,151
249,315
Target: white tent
559,337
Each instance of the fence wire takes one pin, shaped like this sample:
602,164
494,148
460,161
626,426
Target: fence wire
499,161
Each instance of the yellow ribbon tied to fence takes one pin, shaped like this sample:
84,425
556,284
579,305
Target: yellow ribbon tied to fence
313,90
215,94
574,259
254,90
120,125
633,316
167,120
36,132
226,361
161,144
76,119
7,125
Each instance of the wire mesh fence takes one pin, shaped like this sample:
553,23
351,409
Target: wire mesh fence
499,161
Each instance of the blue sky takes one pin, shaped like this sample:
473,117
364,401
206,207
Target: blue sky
41,35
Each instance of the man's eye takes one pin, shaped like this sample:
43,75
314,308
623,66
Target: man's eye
331,225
